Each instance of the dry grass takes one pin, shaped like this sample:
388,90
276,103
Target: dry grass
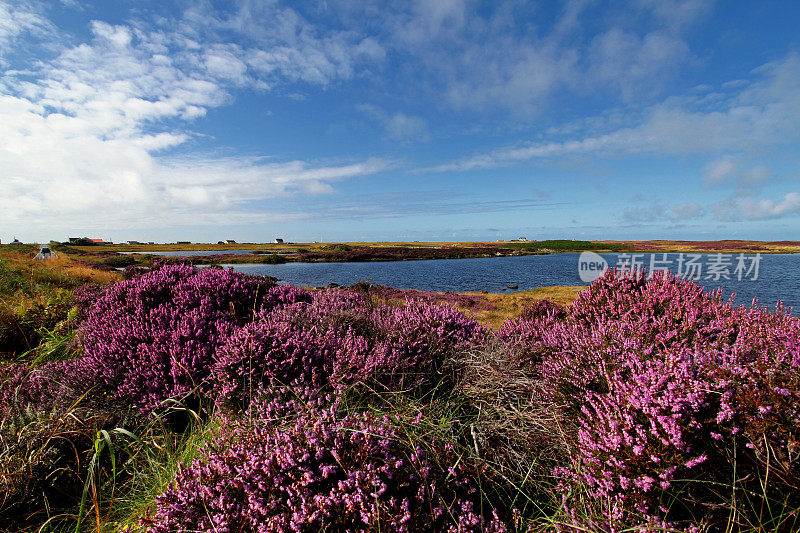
511,305
81,272
60,270
725,246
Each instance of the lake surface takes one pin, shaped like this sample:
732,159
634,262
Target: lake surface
778,276
192,253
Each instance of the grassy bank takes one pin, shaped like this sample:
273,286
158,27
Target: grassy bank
112,256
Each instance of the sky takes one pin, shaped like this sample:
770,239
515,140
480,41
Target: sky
343,120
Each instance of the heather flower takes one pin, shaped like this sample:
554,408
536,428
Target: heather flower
668,385
154,337
319,470
338,340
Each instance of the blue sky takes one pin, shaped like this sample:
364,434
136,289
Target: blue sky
428,120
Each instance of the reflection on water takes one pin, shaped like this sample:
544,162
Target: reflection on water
778,277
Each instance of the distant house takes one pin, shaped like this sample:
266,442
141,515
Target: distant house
134,242
97,241
16,241
230,241
278,241
184,242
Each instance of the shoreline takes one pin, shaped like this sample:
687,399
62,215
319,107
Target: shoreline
122,255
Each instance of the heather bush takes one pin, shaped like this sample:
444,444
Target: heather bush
301,466
338,340
86,295
417,340
680,399
541,308
154,337
470,301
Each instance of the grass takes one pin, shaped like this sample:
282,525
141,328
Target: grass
511,305
35,300
562,245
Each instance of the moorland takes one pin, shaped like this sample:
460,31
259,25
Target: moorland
184,399
111,256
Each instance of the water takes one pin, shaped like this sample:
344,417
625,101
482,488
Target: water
778,274
192,253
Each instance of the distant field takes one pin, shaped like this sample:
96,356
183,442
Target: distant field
113,256
724,246
545,246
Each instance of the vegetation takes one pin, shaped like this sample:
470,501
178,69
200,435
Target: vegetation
562,245
110,257
206,400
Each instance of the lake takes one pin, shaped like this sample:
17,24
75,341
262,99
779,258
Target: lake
778,276
192,253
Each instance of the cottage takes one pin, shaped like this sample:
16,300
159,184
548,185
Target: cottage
278,241
16,241
230,241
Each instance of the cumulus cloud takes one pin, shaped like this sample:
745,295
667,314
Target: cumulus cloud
758,208
86,136
732,171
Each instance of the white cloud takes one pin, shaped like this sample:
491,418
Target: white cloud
627,61
399,126
687,211
84,136
758,208
478,57
730,170
719,171
764,113
282,46
16,19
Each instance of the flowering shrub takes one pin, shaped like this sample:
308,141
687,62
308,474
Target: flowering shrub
415,341
471,301
543,307
677,395
86,295
274,351
319,471
154,337
337,340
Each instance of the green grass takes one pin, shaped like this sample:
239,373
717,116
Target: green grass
565,246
